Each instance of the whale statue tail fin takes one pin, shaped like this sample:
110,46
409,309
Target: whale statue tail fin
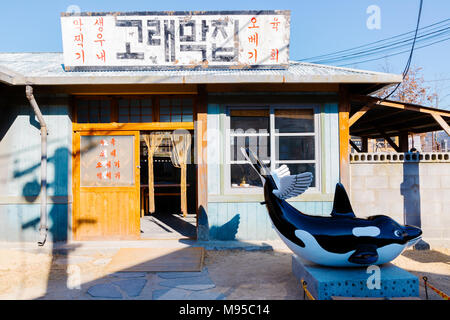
341,203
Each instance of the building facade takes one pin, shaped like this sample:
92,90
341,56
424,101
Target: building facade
296,116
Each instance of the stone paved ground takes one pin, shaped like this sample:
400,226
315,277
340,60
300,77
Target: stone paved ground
255,271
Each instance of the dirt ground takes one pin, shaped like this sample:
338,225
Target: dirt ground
268,275
238,274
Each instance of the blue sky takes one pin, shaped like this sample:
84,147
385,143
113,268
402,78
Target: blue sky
317,27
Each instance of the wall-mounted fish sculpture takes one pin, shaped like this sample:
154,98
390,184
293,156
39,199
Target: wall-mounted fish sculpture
340,240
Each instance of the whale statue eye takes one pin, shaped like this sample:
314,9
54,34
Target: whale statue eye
397,233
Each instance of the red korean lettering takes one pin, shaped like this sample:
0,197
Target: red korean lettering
253,39
253,55
253,21
275,23
274,55
101,55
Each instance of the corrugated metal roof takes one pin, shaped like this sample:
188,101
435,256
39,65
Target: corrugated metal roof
46,69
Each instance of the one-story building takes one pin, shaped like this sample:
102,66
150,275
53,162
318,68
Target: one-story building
106,126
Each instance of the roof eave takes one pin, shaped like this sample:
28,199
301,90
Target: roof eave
204,79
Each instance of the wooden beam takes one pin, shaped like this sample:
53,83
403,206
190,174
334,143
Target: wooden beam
344,137
147,126
388,139
444,125
354,146
358,115
379,117
399,105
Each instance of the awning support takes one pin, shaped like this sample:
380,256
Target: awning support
441,122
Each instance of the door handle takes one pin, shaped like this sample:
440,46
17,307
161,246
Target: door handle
138,167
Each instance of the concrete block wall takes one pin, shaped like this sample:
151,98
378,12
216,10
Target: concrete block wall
415,192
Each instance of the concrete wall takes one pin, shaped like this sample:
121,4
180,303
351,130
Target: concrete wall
414,191
20,153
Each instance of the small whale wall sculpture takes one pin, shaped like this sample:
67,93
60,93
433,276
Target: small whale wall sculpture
340,240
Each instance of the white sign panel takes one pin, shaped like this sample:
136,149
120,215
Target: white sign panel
165,40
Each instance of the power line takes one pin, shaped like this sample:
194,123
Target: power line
394,54
405,71
368,45
388,47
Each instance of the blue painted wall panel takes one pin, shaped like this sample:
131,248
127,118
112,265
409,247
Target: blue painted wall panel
250,220
20,222
20,154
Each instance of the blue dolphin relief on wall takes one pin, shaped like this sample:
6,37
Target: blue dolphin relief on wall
341,240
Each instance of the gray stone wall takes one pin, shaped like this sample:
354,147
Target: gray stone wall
414,191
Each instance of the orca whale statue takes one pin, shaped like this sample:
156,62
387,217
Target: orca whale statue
340,240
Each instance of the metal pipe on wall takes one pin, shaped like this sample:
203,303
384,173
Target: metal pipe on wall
43,228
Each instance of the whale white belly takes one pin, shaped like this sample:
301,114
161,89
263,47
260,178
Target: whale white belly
315,253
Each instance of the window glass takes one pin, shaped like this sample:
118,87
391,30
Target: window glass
93,111
135,110
176,110
295,147
244,176
294,120
293,131
260,145
106,161
249,119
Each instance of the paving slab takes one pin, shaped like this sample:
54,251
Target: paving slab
132,287
206,295
105,291
128,275
192,283
176,275
170,294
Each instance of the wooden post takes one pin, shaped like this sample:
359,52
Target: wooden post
202,168
364,144
344,136
403,142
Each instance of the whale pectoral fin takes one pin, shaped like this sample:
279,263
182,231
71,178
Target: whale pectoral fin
364,254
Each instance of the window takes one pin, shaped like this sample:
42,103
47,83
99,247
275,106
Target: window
176,110
135,110
94,111
295,140
278,135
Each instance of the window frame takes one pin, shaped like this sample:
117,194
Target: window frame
228,189
114,107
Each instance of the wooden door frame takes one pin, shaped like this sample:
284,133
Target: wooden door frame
78,129
76,187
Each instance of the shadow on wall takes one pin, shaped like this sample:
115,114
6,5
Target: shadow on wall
58,213
226,231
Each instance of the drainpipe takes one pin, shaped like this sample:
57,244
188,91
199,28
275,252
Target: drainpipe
43,228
